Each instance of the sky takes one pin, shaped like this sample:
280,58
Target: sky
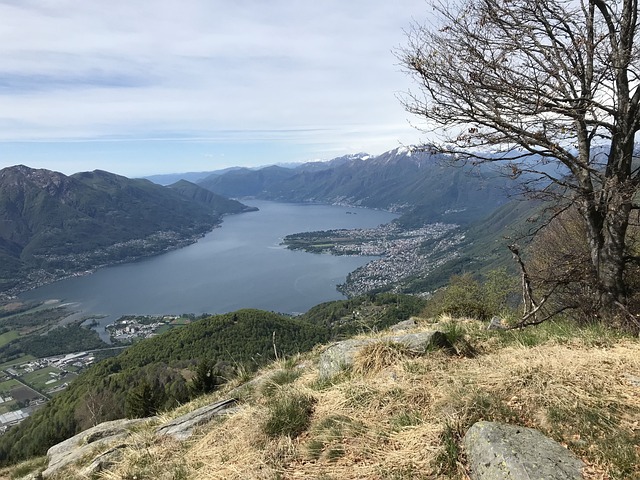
160,86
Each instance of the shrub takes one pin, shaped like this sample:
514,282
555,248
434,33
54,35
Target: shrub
467,297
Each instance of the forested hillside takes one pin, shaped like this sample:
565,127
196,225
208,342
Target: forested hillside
418,183
52,225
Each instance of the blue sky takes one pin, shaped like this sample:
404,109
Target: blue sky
157,86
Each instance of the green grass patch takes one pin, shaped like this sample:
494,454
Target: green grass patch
7,386
594,425
17,361
28,467
289,414
278,379
7,407
8,337
39,378
163,329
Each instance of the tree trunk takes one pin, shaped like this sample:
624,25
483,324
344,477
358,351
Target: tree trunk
607,232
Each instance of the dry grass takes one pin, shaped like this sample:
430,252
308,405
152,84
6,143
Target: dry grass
377,356
397,416
393,419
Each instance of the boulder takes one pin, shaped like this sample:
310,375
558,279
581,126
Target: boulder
182,427
104,461
341,355
498,451
84,443
404,325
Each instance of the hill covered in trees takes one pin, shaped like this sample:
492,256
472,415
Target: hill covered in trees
419,184
52,225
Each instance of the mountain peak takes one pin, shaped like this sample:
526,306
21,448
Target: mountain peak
21,175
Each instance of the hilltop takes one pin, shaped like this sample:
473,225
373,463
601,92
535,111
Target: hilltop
396,413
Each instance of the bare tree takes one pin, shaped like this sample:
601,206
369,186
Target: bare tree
554,86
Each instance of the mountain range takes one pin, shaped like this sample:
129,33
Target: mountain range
420,184
52,225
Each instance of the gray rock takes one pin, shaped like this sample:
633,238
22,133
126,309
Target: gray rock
84,443
496,324
342,354
104,461
633,380
182,427
497,451
404,325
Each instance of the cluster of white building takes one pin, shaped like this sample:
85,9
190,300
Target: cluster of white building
402,257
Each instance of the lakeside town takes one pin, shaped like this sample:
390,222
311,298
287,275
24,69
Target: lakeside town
401,251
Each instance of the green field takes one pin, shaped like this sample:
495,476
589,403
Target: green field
7,386
17,361
7,407
8,337
67,379
163,328
39,378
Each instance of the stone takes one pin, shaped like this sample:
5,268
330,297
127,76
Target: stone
498,451
341,355
86,442
104,461
182,427
404,325
633,380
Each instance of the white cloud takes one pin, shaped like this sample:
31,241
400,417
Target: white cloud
319,72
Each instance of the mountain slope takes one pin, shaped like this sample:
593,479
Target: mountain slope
52,224
211,200
234,342
246,182
400,180
397,413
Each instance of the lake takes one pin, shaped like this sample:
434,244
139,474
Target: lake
239,265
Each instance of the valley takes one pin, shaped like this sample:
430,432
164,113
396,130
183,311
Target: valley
347,244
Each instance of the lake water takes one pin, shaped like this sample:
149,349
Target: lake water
240,265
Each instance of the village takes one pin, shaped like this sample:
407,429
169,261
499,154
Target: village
130,328
400,251
28,383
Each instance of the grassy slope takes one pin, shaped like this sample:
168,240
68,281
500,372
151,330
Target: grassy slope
402,417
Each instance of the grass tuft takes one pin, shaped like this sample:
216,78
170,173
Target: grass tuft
288,414
378,356
278,379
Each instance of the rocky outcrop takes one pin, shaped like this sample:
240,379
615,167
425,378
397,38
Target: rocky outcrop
104,461
87,442
496,323
498,451
341,355
182,427
404,325
114,436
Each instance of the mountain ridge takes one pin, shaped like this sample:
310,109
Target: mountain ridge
53,225
400,180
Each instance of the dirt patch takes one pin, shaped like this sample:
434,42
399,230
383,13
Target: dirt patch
21,394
